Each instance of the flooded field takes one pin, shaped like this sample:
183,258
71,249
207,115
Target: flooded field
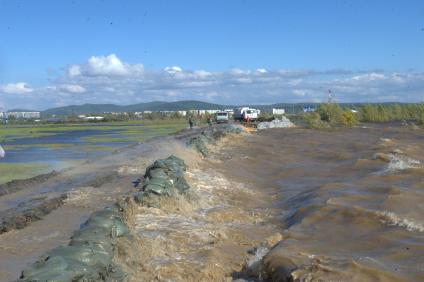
32,150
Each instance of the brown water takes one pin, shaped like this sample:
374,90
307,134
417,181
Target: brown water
344,205
352,201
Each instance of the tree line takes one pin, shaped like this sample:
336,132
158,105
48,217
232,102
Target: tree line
333,115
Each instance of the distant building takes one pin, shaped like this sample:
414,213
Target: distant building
308,109
93,118
211,112
23,115
278,111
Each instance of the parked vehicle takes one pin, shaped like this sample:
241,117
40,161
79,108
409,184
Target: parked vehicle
222,117
246,114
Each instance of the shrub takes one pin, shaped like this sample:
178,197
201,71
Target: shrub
313,120
348,118
392,112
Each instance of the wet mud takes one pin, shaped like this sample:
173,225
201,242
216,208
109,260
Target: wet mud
19,218
20,184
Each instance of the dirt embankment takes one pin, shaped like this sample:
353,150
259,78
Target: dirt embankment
18,219
20,184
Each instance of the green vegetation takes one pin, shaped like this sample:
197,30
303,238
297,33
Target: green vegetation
138,133
126,129
12,171
330,115
334,115
392,112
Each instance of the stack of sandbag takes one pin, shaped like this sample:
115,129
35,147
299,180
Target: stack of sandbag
201,141
165,177
89,255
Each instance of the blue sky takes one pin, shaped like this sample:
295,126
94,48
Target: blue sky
222,51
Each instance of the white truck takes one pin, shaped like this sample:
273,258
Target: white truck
246,114
222,117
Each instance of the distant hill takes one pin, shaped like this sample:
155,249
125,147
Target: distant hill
21,110
174,106
150,106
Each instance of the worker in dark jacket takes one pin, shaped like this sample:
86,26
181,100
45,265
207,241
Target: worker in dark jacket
190,122
210,122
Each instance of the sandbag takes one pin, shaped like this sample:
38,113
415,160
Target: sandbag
165,177
89,255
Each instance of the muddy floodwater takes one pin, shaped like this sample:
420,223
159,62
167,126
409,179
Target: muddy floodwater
351,201
308,205
293,203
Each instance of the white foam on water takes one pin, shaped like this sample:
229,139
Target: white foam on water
189,216
399,163
392,219
260,252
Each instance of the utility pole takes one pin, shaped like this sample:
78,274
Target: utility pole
330,96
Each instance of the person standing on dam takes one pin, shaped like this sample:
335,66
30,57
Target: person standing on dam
190,122
210,122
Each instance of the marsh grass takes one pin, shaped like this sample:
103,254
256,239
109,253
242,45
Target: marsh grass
128,130
103,139
12,171
137,133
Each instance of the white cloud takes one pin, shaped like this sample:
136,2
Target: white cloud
261,71
74,70
108,79
173,69
202,73
300,92
369,77
16,88
238,72
109,65
72,88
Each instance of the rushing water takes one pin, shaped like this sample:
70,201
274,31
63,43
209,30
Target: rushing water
351,200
